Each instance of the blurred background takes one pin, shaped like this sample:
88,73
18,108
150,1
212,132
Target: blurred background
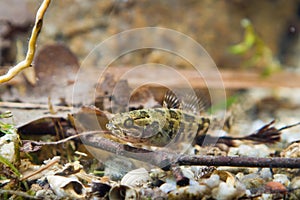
255,45
216,25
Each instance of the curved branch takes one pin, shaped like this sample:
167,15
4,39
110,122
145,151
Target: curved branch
31,45
162,158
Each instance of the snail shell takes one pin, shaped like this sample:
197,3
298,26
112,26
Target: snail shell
66,186
136,178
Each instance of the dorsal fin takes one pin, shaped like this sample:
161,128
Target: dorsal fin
190,103
171,100
187,101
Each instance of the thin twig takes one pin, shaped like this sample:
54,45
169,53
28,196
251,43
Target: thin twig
32,146
289,126
18,193
66,139
16,105
42,168
31,45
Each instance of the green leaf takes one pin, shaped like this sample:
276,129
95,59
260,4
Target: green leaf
10,165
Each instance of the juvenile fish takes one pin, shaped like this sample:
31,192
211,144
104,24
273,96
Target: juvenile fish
159,126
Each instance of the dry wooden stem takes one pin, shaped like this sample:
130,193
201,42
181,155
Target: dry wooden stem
31,45
63,140
276,162
36,106
42,168
18,194
163,159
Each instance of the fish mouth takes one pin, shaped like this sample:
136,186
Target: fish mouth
114,129
127,135
110,126
130,138
123,134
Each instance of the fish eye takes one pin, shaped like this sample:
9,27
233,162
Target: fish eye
128,123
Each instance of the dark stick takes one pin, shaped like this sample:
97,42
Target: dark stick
163,159
276,162
158,158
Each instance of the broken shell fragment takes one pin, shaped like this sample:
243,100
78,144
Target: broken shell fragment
225,176
123,192
188,173
100,189
66,186
292,151
226,191
136,177
189,192
168,187
212,181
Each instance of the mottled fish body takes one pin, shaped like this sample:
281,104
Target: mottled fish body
159,126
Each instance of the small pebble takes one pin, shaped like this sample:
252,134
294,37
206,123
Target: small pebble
281,178
168,187
212,181
266,173
224,191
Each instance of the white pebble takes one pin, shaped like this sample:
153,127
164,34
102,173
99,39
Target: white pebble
250,151
266,173
224,191
167,187
187,172
212,181
281,178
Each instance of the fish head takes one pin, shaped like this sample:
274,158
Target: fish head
134,126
